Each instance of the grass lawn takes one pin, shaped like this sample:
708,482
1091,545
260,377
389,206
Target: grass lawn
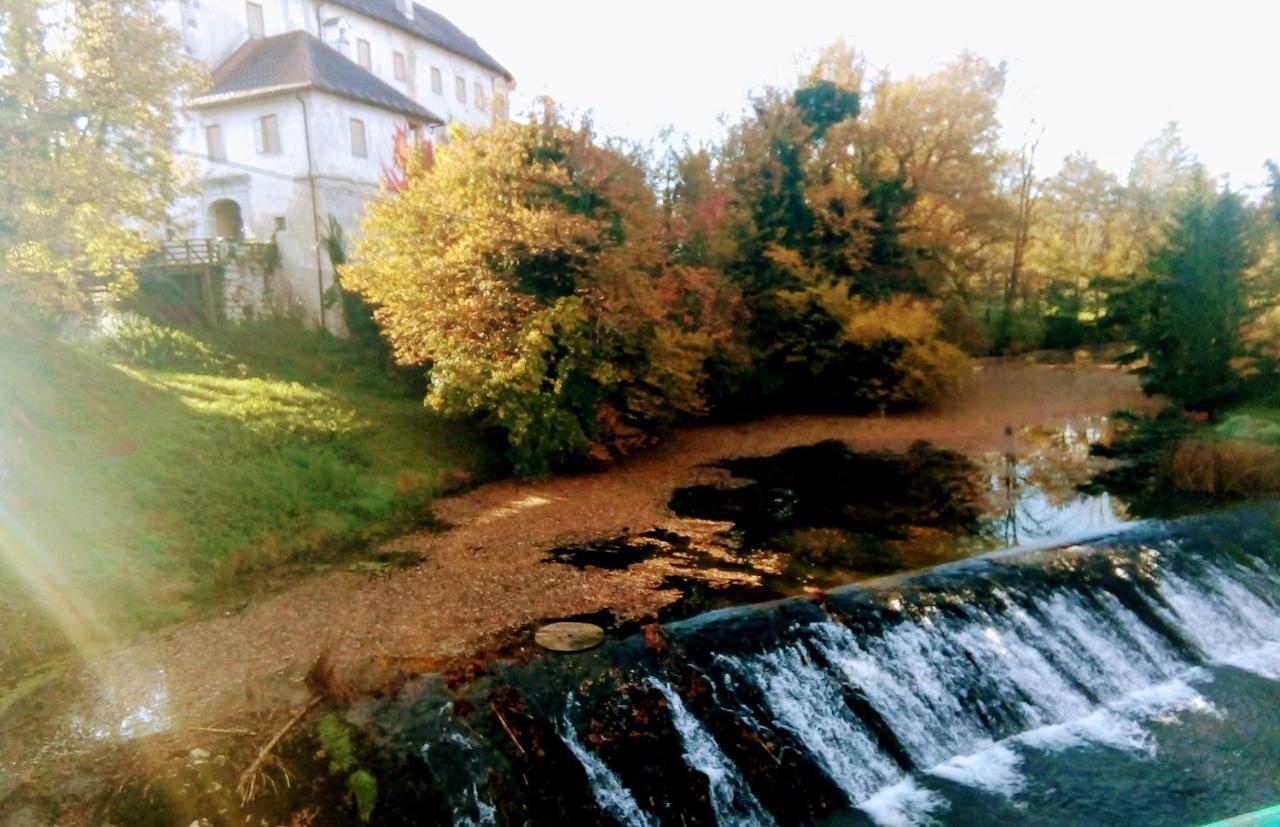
162,474
1258,421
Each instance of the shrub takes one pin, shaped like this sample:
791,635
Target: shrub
1223,467
874,354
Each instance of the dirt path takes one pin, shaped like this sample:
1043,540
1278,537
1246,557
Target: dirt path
485,576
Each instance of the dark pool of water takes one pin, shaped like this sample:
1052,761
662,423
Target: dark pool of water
818,516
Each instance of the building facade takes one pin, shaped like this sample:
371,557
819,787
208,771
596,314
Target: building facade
299,120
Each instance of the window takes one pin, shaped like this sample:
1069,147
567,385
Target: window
253,13
363,55
437,80
397,63
215,148
479,96
462,90
280,223
268,135
359,147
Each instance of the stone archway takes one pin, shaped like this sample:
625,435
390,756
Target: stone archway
225,219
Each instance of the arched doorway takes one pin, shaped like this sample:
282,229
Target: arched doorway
225,219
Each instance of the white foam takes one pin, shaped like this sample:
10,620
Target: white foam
1101,728
1264,660
613,798
731,798
809,702
993,770
1120,725
903,804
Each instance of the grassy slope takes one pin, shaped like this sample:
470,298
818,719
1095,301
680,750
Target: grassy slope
1255,420
140,489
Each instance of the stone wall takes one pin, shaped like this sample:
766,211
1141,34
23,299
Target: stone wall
254,287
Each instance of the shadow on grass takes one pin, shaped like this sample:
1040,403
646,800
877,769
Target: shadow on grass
146,481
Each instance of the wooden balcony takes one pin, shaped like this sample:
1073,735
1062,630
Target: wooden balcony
181,282
192,252
203,252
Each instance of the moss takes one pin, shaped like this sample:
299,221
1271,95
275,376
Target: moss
364,788
1260,424
336,743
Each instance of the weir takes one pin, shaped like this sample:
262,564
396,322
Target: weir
977,690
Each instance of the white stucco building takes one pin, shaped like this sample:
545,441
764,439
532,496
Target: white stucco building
299,120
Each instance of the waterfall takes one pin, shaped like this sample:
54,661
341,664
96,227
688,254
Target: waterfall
614,799
958,682
794,687
486,813
730,796
1226,620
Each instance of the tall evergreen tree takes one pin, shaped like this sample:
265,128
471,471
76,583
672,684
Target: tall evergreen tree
1195,304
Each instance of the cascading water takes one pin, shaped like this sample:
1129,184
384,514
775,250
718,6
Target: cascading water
614,799
731,798
1132,679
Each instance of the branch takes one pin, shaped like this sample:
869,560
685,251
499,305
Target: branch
248,786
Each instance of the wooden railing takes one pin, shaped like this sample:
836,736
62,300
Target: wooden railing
196,262
191,252
204,252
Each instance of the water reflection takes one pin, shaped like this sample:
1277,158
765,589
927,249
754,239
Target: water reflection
1034,484
819,516
131,703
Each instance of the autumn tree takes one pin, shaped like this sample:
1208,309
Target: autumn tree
1025,190
1273,189
930,146
88,97
525,265
811,229
1261,333
1084,250
1162,176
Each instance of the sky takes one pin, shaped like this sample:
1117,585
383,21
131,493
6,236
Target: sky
1099,77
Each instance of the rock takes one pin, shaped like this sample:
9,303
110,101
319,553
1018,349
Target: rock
568,636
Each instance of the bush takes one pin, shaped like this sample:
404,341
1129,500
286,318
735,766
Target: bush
863,355
1223,467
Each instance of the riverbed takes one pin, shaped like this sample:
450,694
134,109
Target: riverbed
432,600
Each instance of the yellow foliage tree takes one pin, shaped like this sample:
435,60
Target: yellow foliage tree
88,97
525,265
